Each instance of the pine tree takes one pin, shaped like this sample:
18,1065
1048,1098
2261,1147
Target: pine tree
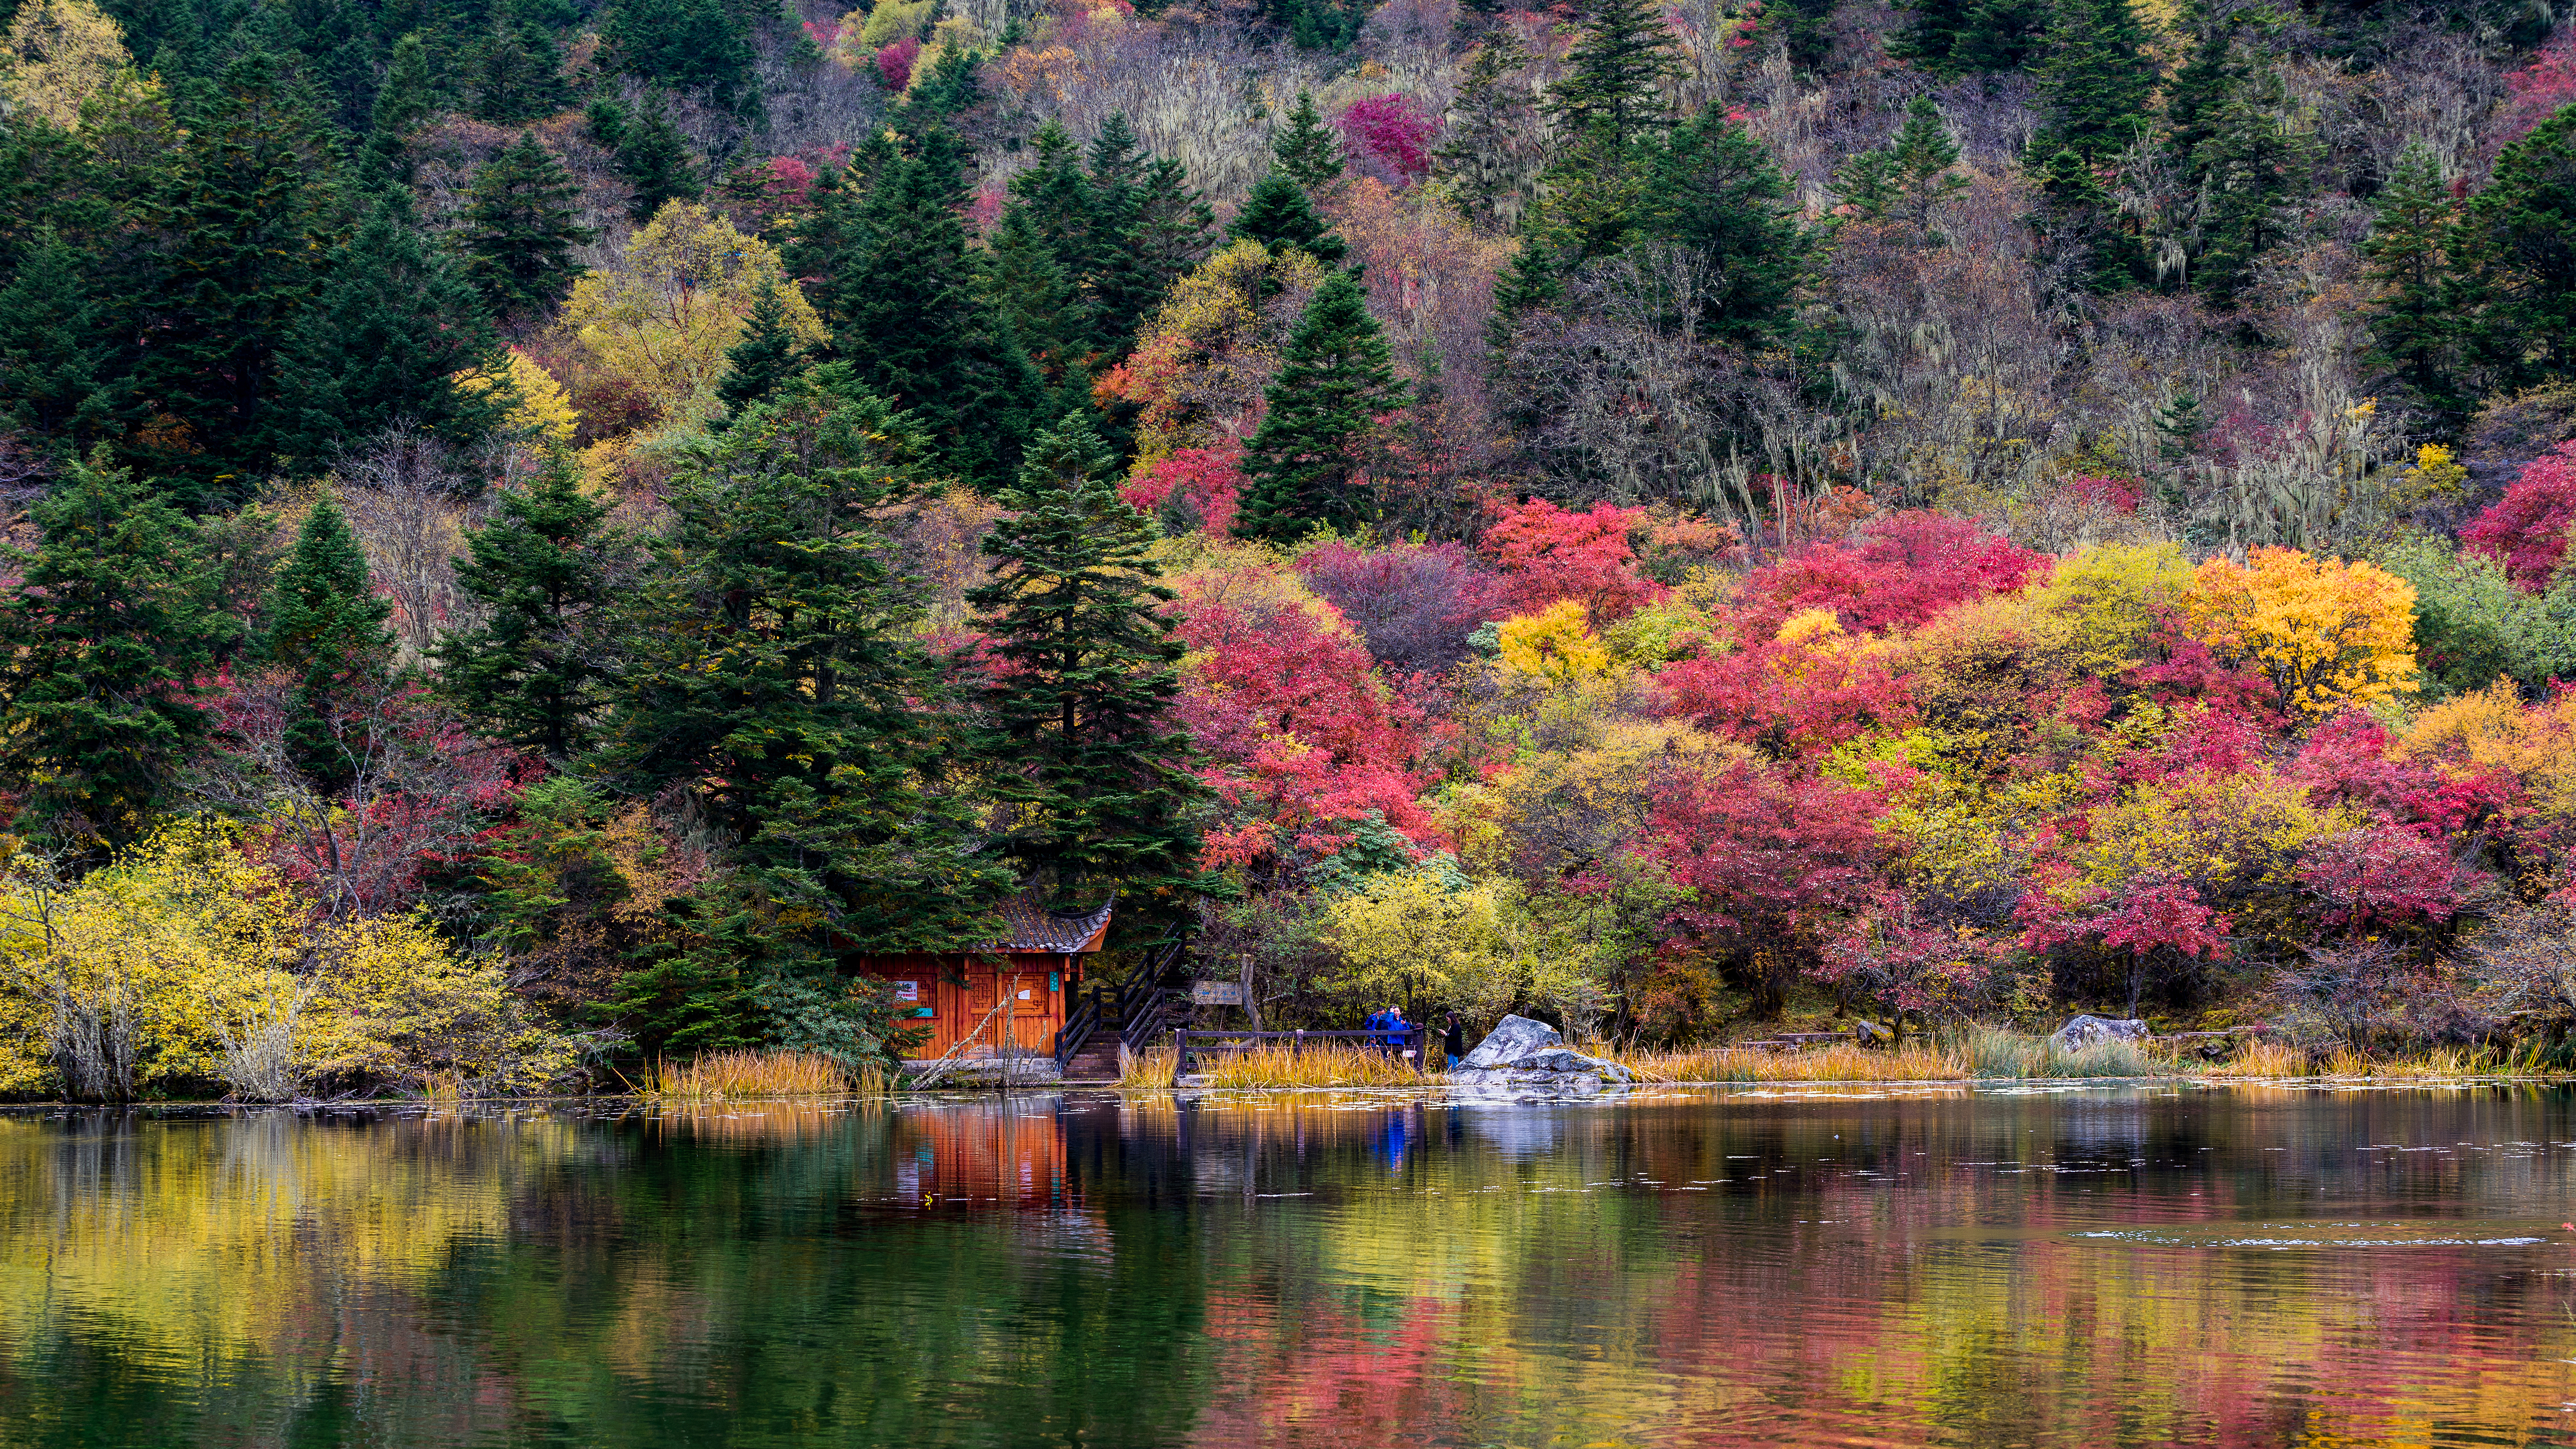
535,672
2000,35
2416,327
777,674
1092,773
1307,150
2075,222
2254,165
249,211
387,340
519,231
518,76
107,634
1161,231
765,358
1930,39
1488,155
1278,214
655,162
1616,73
2198,88
1117,164
51,350
2523,226
1335,381
1908,179
687,45
324,625
1715,189
1046,311
2098,75
403,102
917,327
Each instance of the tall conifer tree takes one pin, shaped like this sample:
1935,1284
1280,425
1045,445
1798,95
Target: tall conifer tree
2416,327
1335,381
1092,772
519,231
108,636
2097,73
1306,149
535,672
2524,228
324,625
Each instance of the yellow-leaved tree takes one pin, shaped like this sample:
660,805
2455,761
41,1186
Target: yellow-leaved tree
57,54
1556,643
2111,596
1199,369
183,968
1427,936
2328,633
538,407
660,320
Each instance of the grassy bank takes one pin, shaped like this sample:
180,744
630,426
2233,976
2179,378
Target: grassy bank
748,1076
1969,1054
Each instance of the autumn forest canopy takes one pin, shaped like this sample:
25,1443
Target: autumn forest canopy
544,533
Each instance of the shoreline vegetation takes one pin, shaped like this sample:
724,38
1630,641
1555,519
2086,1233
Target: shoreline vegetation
1969,1056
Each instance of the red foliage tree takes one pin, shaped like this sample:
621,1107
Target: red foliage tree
1209,479
1389,133
1904,568
2526,530
1547,553
2539,89
1787,700
894,63
1773,861
1298,724
2383,877
1415,603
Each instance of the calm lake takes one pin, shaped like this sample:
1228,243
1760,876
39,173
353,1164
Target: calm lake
2090,1266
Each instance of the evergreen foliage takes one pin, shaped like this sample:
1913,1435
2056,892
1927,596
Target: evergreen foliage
916,326
2524,227
1306,150
2417,326
50,352
535,672
1614,77
1092,774
1278,213
2098,76
2256,163
325,626
394,329
688,45
2077,226
1306,463
250,210
1716,190
1481,156
766,357
1910,177
518,76
109,637
777,675
655,162
519,231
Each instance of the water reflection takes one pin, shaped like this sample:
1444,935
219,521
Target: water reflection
2242,1266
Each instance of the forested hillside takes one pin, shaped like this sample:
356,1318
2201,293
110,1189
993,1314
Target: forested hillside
544,532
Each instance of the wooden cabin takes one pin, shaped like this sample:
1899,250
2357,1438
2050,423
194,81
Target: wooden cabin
1034,967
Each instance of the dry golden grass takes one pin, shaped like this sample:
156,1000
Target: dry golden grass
1146,1069
1279,1064
1839,1062
739,1076
2262,1059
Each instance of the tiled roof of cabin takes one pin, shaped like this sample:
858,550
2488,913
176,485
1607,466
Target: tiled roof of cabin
1032,927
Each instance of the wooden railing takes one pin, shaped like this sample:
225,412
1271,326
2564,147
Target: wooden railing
1140,1004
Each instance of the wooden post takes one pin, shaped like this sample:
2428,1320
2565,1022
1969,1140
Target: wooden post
1251,1003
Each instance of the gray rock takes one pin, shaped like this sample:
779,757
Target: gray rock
1527,1055
1512,1038
2085,1031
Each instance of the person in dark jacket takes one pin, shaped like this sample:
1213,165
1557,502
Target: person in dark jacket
1453,1040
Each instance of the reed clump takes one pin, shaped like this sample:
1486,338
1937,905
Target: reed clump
1996,1054
1153,1067
2260,1058
1282,1064
741,1076
1839,1062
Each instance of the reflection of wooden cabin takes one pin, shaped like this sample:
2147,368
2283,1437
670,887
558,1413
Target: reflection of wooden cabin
1005,1153
1034,968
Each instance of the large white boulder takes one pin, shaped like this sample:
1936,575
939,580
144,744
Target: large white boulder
2085,1031
1528,1055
